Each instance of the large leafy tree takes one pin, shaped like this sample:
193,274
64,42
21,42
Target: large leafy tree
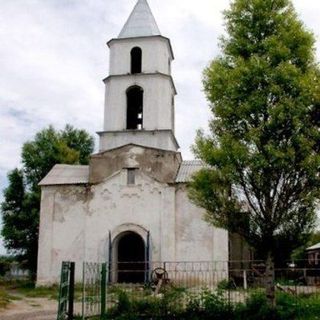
262,177
21,205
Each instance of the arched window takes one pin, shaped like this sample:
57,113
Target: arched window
136,60
134,108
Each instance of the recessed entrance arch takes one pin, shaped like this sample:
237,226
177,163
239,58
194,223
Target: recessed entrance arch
131,258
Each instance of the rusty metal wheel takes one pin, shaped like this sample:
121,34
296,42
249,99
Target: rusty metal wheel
159,274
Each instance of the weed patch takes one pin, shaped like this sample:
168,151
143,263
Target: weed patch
6,298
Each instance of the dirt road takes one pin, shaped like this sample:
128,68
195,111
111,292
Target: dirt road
30,309
40,315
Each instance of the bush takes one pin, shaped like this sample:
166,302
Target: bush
288,307
308,307
134,308
226,285
256,308
209,305
175,304
5,264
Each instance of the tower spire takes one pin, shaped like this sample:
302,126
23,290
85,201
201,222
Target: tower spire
141,22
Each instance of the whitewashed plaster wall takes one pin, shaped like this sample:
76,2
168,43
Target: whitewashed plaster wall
75,223
76,227
158,93
61,234
115,203
154,139
156,55
196,240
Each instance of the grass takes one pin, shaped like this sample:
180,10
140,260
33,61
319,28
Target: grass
29,290
6,298
51,292
308,307
20,289
213,306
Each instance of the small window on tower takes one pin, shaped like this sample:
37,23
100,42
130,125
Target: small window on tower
136,60
131,177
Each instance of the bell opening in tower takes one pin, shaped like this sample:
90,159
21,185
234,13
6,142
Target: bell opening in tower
134,108
136,60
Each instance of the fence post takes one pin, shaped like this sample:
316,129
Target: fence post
103,289
83,289
71,291
110,258
245,281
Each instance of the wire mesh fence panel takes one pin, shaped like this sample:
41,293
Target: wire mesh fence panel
65,302
235,281
180,282
92,294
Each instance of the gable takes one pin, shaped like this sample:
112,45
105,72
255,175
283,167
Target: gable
120,179
161,165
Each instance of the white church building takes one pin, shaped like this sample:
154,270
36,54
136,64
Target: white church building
130,203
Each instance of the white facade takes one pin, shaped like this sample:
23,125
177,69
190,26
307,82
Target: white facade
158,97
75,223
162,139
136,184
157,47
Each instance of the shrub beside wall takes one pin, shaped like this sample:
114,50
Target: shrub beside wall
5,265
212,305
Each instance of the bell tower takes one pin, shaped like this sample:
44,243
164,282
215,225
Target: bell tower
140,92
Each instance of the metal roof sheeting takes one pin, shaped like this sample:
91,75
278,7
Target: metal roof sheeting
187,169
141,22
62,174
314,247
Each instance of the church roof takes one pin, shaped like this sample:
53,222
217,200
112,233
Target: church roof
187,169
141,22
62,174
314,247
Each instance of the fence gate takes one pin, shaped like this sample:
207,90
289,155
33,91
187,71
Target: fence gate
66,292
94,289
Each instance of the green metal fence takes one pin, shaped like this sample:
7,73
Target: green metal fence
236,281
66,291
94,290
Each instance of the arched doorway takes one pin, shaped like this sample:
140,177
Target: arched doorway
131,258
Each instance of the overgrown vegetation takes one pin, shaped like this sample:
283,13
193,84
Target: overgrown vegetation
175,304
5,264
262,155
6,298
21,205
29,290
20,289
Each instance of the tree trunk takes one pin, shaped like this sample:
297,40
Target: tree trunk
270,280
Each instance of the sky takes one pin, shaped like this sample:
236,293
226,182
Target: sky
53,57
